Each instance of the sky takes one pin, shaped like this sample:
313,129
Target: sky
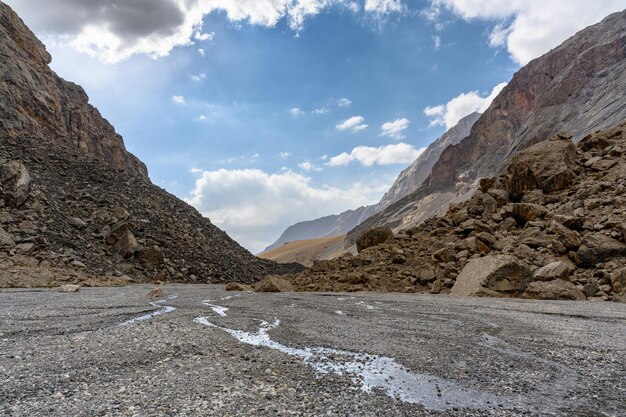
263,113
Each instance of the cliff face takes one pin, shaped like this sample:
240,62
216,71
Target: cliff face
578,87
411,178
36,103
75,206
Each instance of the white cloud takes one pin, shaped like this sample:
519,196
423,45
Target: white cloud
383,6
179,100
344,102
114,30
202,118
198,77
321,110
307,166
254,207
354,124
395,129
284,154
296,112
201,52
437,41
530,28
400,153
199,36
460,106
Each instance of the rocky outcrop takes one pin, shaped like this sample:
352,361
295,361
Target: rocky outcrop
36,103
76,206
569,241
577,87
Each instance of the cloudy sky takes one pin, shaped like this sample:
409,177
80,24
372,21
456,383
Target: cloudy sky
262,113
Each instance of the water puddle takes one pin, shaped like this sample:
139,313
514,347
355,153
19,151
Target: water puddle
374,372
219,310
164,310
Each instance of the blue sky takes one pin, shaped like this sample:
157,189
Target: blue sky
265,113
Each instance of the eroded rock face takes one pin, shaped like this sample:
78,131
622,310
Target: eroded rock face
498,275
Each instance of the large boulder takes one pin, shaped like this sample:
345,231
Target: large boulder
373,237
557,289
547,166
597,248
552,271
273,283
15,182
126,245
496,276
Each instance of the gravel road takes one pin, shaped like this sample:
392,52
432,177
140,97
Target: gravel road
202,351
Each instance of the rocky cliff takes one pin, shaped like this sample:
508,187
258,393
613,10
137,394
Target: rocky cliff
552,226
75,206
577,87
411,178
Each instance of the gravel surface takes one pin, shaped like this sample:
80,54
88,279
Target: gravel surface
202,351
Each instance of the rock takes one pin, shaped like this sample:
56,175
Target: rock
445,255
460,217
597,248
569,238
534,197
126,245
77,223
497,275
15,182
235,286
78,264
554,270
151,256
120,213
273,283
156,293
548,166
557,289
525,212
6,239
373,237
28,227
69,288
618,280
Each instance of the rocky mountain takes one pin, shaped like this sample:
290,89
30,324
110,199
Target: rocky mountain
408,181
577,87
75,206
552,226
411,178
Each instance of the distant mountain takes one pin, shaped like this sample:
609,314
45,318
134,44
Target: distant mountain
579,87
407,182
75,205
334,225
